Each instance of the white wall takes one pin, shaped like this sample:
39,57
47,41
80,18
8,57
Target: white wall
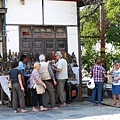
30,13
72,35
55,12
60,13
12,38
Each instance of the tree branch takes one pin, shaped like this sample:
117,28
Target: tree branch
94,10
90,36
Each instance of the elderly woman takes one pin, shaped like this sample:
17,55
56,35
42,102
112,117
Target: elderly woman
36,79
116,83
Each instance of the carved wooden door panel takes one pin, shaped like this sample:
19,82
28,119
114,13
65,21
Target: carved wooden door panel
61,44
49,47
26,45
38,45
43,39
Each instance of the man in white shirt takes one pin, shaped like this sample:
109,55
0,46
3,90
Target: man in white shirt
61,75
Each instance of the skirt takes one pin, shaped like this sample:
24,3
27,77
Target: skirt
116,89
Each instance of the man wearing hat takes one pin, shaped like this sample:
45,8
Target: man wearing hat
61,75
47,75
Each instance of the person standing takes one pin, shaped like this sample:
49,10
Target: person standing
47,76
116,83
17,88
98,73
22,68
35,78
61,69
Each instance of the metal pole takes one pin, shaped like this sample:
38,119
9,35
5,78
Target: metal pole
4,44
79,53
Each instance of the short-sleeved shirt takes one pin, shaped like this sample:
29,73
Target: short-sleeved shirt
14,75
22,66
33,78
98,73
62,64
116,74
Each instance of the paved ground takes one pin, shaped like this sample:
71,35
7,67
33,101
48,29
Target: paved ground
74,111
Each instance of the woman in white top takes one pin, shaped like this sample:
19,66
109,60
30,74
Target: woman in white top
116,83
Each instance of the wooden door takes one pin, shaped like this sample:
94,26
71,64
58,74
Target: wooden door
42,39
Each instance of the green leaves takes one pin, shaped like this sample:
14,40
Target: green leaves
90,32
113,35
113,11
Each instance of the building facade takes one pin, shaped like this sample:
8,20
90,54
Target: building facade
41,26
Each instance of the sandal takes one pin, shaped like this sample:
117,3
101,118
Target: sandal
55,108
118,104
24,111
16,111
34,110
113,104
63,104
43,109
92,105
100,105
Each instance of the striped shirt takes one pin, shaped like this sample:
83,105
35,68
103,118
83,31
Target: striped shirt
98,73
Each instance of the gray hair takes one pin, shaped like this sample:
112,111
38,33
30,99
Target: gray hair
116,62
42,57
36,64
58,53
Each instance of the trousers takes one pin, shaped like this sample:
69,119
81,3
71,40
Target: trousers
61,90
51,93
18,93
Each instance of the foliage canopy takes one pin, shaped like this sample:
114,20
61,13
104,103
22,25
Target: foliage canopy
90,32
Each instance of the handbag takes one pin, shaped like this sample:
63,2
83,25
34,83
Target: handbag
39,89
91,84
9,84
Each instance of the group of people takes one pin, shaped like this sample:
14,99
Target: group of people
98,73
42,74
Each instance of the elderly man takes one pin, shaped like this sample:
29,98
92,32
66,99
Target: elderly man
47,76
61,75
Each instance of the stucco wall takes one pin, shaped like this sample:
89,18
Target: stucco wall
72,35
60,13
12,38
55,12
30,13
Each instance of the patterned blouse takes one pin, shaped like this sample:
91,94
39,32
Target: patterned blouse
33,78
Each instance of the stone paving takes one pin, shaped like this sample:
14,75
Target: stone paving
73,111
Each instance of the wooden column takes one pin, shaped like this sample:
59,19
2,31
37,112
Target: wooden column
79,53
102,32
4,44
